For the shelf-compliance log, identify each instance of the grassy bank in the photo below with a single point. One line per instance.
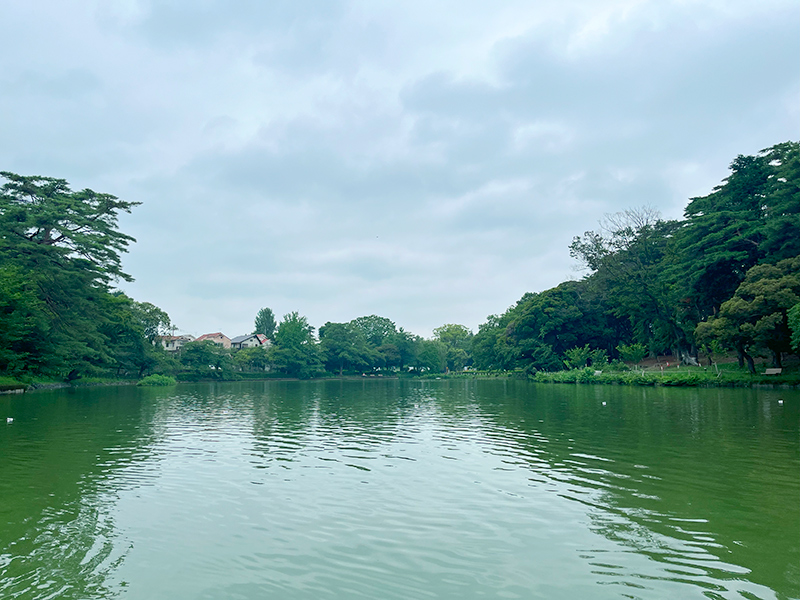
(723, 375)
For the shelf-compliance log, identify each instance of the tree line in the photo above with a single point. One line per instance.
(725, 278)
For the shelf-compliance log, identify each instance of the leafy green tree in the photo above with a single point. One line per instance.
(295, 352)
(757, 315)
(375, 329)
(24, 342)
(400, 349)
(458, 340)
(205, 359)
(265, 323)
(68, 245)
(344, 346)
(751, 217)
(252, 359)
(630, 258)
(153, 321)
(433, 356)
(598, 357)
(578, 357)
(632, 353)
(793, 318)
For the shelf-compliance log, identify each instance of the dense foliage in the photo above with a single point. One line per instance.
(59, 254)
(726, 278)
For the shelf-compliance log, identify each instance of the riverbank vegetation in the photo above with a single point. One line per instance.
(722, 283)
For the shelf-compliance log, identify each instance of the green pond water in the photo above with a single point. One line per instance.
(407, 490)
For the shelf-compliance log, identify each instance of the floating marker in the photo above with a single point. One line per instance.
(604, 403)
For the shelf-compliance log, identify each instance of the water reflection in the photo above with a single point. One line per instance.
(396, 489)
(57, 535)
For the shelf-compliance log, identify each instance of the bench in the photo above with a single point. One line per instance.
(773, 371)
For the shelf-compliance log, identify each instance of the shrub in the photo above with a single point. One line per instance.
(157, 380)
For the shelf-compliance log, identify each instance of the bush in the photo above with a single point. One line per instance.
(157, 380)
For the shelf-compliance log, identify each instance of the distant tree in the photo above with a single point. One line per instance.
(630, 257)
(400, 349)
(252, 359)
(375, 329)
(153, 321)
(578, 357)
(458, 340)
(633, 353)
(207, 359)
(265, 322)
(344, 346)
(295, 352)
(433, 356)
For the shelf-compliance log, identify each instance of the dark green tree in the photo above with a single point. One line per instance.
(458, 340)
(630, 258)
(757, 315)
(265, 323)
(752, 216)
(205, 359)
(295, 352)
(375, 329)
(68, 245)
(344, 346)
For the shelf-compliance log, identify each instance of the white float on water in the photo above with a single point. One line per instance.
(9, 419)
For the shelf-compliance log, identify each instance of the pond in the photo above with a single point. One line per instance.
(395, 489)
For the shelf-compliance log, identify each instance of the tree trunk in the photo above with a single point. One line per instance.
(743, 355)
(750, 365)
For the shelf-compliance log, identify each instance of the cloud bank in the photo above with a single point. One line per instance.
(427, 163)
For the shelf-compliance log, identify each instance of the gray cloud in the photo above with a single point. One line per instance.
(426, 163)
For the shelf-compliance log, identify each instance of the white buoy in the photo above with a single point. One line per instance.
(9, 419)
(604, 403)
(780, 401)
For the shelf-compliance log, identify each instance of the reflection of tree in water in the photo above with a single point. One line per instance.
(294, 419)
(56, 465)
(704, 482)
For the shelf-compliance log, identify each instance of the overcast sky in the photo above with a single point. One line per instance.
(428, 162)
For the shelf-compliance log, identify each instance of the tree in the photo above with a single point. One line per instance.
(458, 340)
(207, 359)
(295, 352)
(24, 342)
(631, 258)
(375, 329)
(252, 359)
(44, 220)
(793, 318)
(68, 246)
(344, 346)
(265, 322)
(751, 217)
(153, 321)
(633, 353)
(433, 356)
(757, 315)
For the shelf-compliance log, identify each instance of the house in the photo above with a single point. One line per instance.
(218, 338)
(173, 343)
(254, 340)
